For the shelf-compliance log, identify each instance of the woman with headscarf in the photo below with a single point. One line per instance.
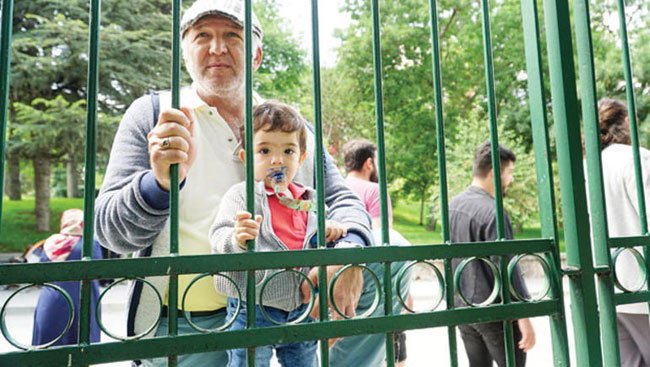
(51, 314)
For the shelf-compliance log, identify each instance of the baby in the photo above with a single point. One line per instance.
(287, 222)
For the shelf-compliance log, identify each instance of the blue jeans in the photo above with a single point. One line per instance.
(301, 354)
(209, 359)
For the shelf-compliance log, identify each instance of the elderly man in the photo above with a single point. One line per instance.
(202, 137)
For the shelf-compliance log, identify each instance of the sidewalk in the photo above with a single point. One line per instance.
(423, 346)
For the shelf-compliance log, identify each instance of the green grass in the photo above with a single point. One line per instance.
(18, 222)
(406, 219)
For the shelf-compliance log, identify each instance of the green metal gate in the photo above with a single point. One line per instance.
(580, 270)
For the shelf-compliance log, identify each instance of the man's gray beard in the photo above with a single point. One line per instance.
(208, 89)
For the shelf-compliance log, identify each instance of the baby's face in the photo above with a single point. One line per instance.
(277, 157)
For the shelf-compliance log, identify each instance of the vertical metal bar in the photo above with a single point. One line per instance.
(634, 135)
(379, 117)
(496, 169)
(320, 187)
(85, 304)
(250, 173)
(172, 293)
(5, 73)
(442, 173)
(544, 172)
(600, 235)
(584, 308)
(631, 105)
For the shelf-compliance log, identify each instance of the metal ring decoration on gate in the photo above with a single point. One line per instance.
(375, 302)
(188, 317)
(312, 297)
(642, 267)
(19, 345)
(137, 336)
(547, 274)
(400, 276)
(495, 289)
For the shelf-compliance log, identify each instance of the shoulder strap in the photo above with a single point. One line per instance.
(155, 103)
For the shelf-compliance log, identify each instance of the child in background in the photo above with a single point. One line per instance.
(287, 223)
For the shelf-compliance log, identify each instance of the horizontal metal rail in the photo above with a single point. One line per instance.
(195, 264)
(196, 343)
(629, 298)
(629, 241)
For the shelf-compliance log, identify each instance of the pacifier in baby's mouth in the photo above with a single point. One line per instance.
(277, 175)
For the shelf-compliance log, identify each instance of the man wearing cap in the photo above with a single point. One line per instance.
(202, 137)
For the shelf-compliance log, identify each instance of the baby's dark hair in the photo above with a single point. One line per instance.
(273, 116)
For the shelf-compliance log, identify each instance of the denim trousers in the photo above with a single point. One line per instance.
(209, 359)
(300, 354)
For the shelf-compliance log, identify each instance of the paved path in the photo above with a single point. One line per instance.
(426, 347)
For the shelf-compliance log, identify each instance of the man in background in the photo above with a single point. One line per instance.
(473, 218)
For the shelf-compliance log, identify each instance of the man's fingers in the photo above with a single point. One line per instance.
(179, 116)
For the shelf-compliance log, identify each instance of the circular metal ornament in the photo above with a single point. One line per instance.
(400, 276)
(134, 337)
(310, 305)
(188, 317)
(642, 267)
(547, 273)
(495, 289)
(19, 345)
(375, 302)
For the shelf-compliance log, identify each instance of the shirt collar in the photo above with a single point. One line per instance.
(297, 190)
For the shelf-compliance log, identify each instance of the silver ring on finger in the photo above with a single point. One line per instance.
(165, 143)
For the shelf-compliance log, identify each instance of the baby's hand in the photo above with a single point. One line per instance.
(334, 230)
(246, 228)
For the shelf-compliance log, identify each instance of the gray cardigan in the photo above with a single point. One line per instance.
(283, 292)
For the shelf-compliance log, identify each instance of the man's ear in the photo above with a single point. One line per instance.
(242, 155)
(257, 59)
(369, 164)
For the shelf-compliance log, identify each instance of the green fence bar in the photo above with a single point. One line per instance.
(381, 155)
(442, 174)
(496, 169)
(634, 135)
(320, 179)
(250, 170)
(5, 73)
(85, 304)
(574, 204)
(172, 292)
(546, 194)
(598, 208)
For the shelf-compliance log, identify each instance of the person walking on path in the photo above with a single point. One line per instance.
(623, 219)
(473, 218)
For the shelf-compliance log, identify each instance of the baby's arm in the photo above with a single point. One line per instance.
(246, 228)
(222, 233)
(334, 230)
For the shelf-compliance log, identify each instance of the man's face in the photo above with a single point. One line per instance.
(506, 176)
(276, 151)
(214, 55)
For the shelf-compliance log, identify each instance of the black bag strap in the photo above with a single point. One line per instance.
(155, 103)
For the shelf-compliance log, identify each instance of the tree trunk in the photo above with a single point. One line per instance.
(42, 169)
(72, 178)
(12, 185)
(422, 199)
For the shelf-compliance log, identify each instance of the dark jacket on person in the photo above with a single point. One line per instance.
(472, 218)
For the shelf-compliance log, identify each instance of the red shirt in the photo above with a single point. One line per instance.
(288, 224)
